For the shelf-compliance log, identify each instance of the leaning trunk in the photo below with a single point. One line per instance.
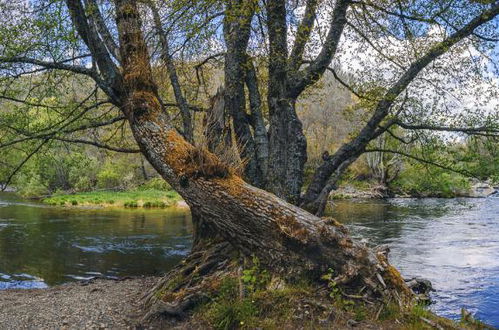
(232, 218)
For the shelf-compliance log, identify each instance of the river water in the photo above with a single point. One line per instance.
(452, 242)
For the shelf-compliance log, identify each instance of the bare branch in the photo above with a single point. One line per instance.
(482, 130)
(96, 144)
(97, 19)
(52, 65)
(311, 73)
(303, 35)
(188, 129)
(108, 69)
(25, 160)
(425, 161)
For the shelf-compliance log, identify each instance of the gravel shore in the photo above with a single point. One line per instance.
(98, 304)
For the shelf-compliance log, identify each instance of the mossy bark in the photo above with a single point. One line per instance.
(233, 219)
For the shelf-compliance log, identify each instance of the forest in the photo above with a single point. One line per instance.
(249, 164)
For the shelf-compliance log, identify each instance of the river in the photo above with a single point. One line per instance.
(452, 242)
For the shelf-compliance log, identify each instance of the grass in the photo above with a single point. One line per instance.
(150, 198)
(298, 307)
(238, 302)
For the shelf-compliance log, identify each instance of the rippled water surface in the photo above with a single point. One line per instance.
(42, 246)
(454, 243)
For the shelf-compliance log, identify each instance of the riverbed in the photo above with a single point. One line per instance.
(452, 242)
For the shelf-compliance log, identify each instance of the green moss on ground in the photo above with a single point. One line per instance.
(300, 306)
(254, 300)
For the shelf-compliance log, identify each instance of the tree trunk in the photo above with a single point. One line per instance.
(231, 217)
(185, 111)
(287, 143)
(216, 128)
(237, 22)
(257, 122)
(287, 148)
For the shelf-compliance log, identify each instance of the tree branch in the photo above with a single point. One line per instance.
(354, 148)
(111, 75)
(96, 144)
(303, 35)
(188, 129)
(425, 161)
(392, 13)
(490, 131)
(55, 133)
(31, 154)
(52, 65)
(312, 73)
(95, 16)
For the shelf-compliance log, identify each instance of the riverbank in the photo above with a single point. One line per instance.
(378, 191)
(150, 198)
(112, 304)
(99, 304)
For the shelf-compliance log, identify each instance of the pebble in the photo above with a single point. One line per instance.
(111, 305)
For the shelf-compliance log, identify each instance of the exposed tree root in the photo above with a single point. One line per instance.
(187, 284)
(199, 276)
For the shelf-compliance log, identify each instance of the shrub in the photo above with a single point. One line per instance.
(419, 180)
(155, 184)
(108, 177)
(83, 184)
(31, 185)
(131, 204)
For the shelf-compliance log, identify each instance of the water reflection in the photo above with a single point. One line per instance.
(56, 245)
(453, 243)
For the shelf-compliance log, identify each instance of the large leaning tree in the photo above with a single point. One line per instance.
(117, 46)
(409, 64)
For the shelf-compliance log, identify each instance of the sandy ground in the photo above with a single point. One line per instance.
(98, 304)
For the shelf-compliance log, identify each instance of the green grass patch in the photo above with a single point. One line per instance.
(147, 198)
(252, 299)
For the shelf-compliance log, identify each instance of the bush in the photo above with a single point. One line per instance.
(82, 171)
(83, 184)
(30, 185)
(422, 181)
(131, 204)
(109, 177)
(155, 184)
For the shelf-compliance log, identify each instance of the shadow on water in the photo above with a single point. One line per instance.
(452, 242)
(42, 246)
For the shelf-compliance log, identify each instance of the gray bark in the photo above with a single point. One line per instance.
(258, 124)
(237, 24)
(185, 111)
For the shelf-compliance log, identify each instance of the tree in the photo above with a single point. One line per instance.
(231, 218)
(377, 30)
